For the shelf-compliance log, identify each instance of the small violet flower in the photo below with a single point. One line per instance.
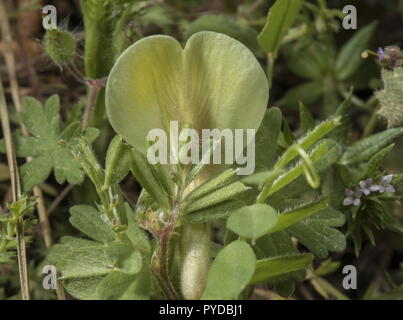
(368, 186)
(381, 55)
(385, 184)
(353, 197)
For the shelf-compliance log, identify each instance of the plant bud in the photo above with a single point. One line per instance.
(391, 97)
(60, 46)
(391, 57)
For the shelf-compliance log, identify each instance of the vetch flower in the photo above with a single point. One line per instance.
(353, 197)
(214, 82)
(385, 184)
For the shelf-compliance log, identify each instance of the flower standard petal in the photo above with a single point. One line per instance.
(215, 82)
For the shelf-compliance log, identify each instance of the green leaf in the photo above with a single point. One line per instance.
(47, 144)
(327, 267)
(300, 185)
(332, 187)
(86, 262)
(293, 173)
(83, 288)
(117, 163)
(136, 235)
(226, 25)
(205, 85)
(307, 93)
(262, 178)
(349, 59)
(41, 121)
(253, 221)
(376, 160)
(275, 245)
(213, 184)
(225, 193)
(35, 171)
(312, 61)
(230, 272)
(71, 130)
(274, 267)
(279, 20)
(266, 139)
(124, 258)
(122, 286)
(364, 149)
(219, 211)
(74, 243)
(66, 167)
(308, 140)
(144, 174)
(165, 177)
(318, 234)
(306, 118)
(341, 133)
(25, 146)
(196, 169)
(287, 137)
(67, 244)
(88, 220)
(80, 288)
(295, 215)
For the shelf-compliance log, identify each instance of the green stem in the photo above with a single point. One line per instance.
(327, 287)
(160, 259)
(94, 88)
(16, 193)
(270, 68)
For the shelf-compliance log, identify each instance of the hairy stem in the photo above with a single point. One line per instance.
(160, 265)
(93, 91)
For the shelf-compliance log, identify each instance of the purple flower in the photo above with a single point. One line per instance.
(352, 197)
(385, 184)
(368, 186)
(381, 55)
(391, 57)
